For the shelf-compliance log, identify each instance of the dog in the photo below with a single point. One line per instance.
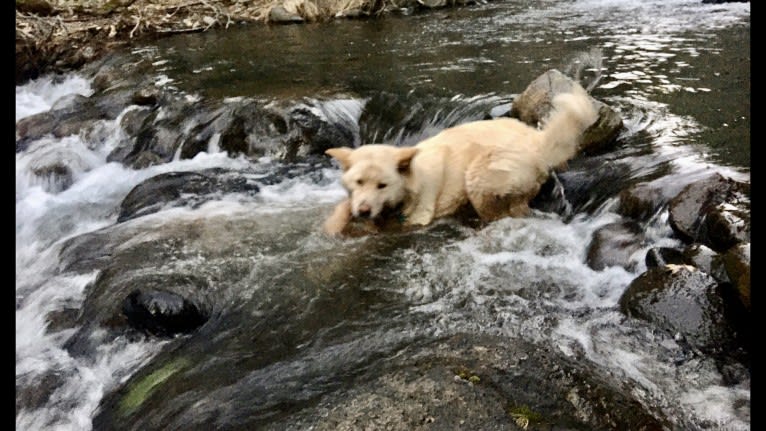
(494, 166)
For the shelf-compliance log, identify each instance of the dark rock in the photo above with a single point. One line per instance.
(144, 159)
(534, 103)
(56, 177)
(614, 244)
(701, 257)
(585, 186)
(682, 300)
(161, 313)
(661, 256)
(643, 200)
(736, 263)
(135, 119)
(64, 318)
(34, 127)
(312, 134)
(178, 189)
(458, 382)
(279, 15)
(147, 96)
(714, 211)
(109, 307)
(36, 7)
(34, 393)
(132, 123)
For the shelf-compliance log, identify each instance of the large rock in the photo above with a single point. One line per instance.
(534, 104)
(682, 300)
(714, 211)
(586, 185)
(643, 200)
(460, 382)
(736, 263)
(181, 189)
(614, 245)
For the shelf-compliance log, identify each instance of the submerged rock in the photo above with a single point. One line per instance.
(586, 185)
(614, 245)
(463, 381)
(682, 300)
(714, 211)
(534, 104)
(181, 189)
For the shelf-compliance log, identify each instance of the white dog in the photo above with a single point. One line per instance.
(495, 166)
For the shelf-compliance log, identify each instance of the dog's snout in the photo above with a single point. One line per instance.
(365, 210)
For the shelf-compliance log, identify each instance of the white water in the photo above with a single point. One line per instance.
(539, 251)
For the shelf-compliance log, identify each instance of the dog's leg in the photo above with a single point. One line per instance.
(497, 189)
(424, 211)
(340, 218)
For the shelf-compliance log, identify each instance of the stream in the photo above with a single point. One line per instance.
(447, 327)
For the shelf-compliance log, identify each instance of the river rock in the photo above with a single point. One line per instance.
(714, 211)
(161, 313)
(736, 263)
(313, 131)
(34, 392)
(682, 300)
(433, 4)
(181, 189)
(643, 200)
(702, 257)
(661, 256)
(614, 245)
(462, 381)
(534, 104)
(587, 184)
(279, 15)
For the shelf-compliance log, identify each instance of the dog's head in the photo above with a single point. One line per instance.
(375, 176)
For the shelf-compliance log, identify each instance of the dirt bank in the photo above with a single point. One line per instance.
(59, 35)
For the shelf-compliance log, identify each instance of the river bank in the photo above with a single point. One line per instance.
(61, 35)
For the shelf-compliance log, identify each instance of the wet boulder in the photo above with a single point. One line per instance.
(54, 165)
(615, 245)
(702, 257)
(643, 200)
(736, 264)
(586, 185)
(315, 128)
(182, 189)
(685, 302)
(662, 256)
(161, 313)
(534, 104)
(280, 15)
(714, 211)
(34, 390)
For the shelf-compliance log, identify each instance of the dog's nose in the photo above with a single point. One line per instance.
(365, 211)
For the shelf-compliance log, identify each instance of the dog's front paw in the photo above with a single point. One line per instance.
(339, 220)
(419, 219)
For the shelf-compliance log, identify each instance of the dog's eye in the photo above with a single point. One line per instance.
(360, 182)
(382, 185)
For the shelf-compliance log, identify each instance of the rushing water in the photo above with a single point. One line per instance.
(297, 313)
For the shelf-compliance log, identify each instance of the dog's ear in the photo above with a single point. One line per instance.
(340, 154)
(405, 157)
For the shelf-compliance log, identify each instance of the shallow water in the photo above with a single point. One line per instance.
(297, 316)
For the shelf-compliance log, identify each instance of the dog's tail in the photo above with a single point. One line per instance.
(562, 131)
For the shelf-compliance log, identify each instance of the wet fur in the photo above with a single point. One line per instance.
(495, 166)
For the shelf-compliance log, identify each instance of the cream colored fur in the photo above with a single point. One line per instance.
(497, 166)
